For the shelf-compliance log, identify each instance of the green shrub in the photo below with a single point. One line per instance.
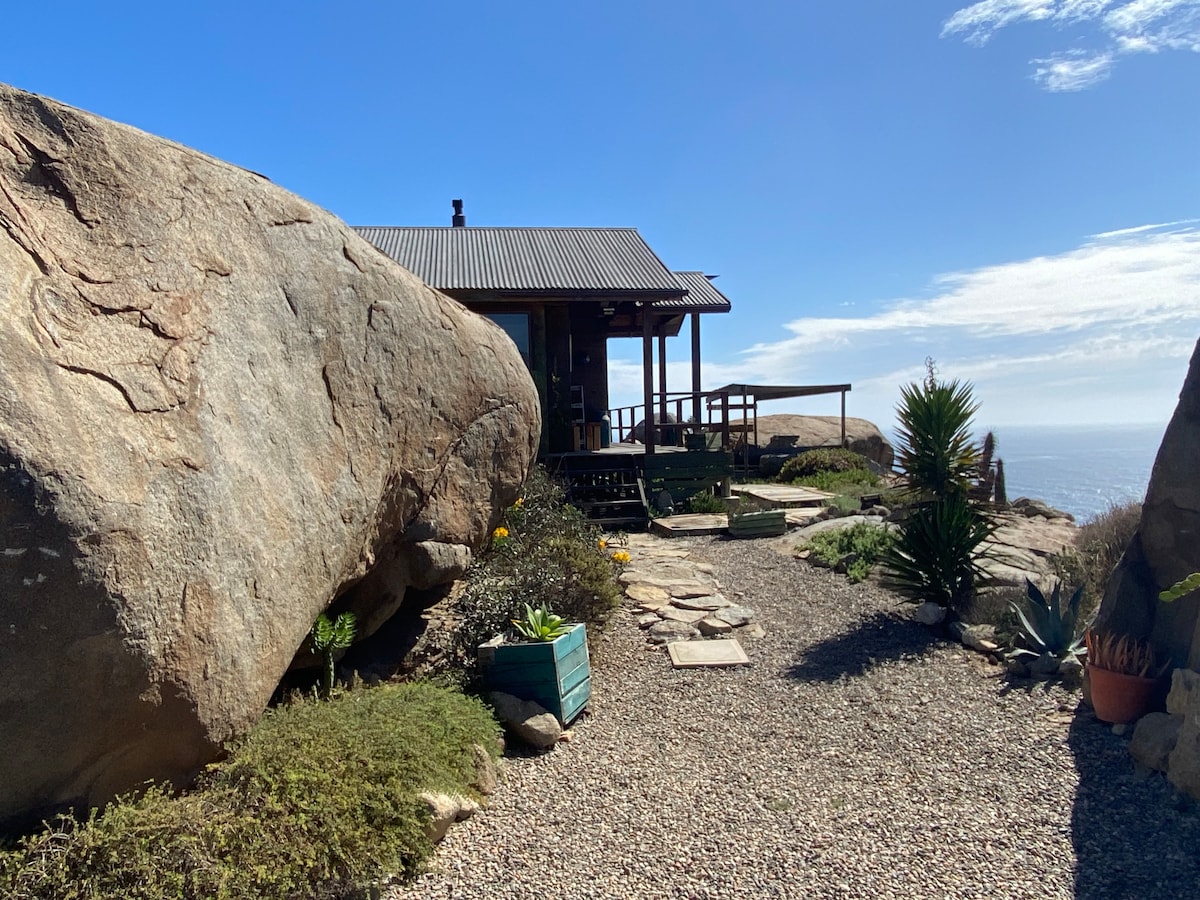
(704, 502)
(550, 556)
(855, 482)
(866, 541)
(831, 459)
(319, 800)
(1099, 545)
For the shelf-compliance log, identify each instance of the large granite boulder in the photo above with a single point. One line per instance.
(1166, 546)
(783, 432)
(220, 410)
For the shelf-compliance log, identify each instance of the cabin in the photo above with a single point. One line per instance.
(561, 294)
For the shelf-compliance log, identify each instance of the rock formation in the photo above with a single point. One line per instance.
(1166, 546)
(779, 433)
(220, 410)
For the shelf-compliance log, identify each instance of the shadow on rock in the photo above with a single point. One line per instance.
(881, 637)
(1134, 837)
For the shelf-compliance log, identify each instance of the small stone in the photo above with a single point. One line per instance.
(710, 602)
(930, 613)
(684, 590)
(527, 720)
(1070, 670)
(688, 616)
(645, 621)
(651, 607)
(734, 615)
(443, 812)
(647, 593)
(666, 631)
(466, 808)
(486, 775)
(1044, 666)
(753, 630)
(1154, 738)
(1120, 729)
(709, 627)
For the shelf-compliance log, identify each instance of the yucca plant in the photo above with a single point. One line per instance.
(328, 637)
(936, 554)
(934, 447)
(1046, 627)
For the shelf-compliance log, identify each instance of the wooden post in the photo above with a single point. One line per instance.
(648, 373)
(843, 418)
(662, 378)
(696, 367)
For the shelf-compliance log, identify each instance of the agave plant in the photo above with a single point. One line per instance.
(1046, 627)
(936, 554)
(327, 638)
(540, 624)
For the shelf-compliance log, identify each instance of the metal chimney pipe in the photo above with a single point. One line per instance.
(458, 220)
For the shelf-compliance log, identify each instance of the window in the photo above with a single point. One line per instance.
(516, 326)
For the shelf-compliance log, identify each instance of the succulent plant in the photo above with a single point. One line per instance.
(1123, 653)
(1046, 627)
(540, 624)
(1181, 588)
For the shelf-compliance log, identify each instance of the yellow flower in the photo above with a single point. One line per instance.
(520, 502)
(500, 533)
(621, 556)
(603, 543)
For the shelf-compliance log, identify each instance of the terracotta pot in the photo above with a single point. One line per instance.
(1118, 698)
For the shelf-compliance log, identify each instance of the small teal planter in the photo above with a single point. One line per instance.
(555, 674)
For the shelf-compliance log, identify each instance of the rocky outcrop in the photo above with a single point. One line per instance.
(778, 434)
(1166, 546)
(220, 410)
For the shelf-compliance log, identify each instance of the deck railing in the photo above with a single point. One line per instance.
(674, 418)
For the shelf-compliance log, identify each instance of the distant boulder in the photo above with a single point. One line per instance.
(779, 433)
(220, 410)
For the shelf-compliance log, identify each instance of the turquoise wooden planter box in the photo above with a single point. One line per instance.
(555, 674)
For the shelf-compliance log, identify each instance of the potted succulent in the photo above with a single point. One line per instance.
(544, 659)
(1124, 675)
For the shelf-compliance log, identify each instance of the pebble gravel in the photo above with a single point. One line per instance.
(857, 756)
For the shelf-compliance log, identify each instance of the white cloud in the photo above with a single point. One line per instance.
(1118, 29)
(1101, 333)
(1073, 70)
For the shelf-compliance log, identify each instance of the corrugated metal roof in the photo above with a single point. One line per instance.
(543, 260)
(702, 295)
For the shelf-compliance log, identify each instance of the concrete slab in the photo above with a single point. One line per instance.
(704, 654)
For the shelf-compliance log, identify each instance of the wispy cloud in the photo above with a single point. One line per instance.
(1106, 30)
(1100, 333)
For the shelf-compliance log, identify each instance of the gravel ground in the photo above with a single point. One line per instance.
(855, 757)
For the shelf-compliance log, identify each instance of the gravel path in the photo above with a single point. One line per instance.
(855, 758)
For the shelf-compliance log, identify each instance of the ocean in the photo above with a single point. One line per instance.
(1078, 469)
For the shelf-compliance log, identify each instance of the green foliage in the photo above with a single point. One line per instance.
(866, 542)
(552, 558)
(934, 448)
(540, 625)
(320, 800)
(704, 502)
(327, 638)
(1046, 627)
(813, 462)
(1099, 545)
(1181, 588)
(936, 556)
(937, 552)
(853, 482)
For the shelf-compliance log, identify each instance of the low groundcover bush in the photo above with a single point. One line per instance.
(318, 801)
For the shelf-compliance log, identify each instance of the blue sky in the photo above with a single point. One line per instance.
(1011, 187)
